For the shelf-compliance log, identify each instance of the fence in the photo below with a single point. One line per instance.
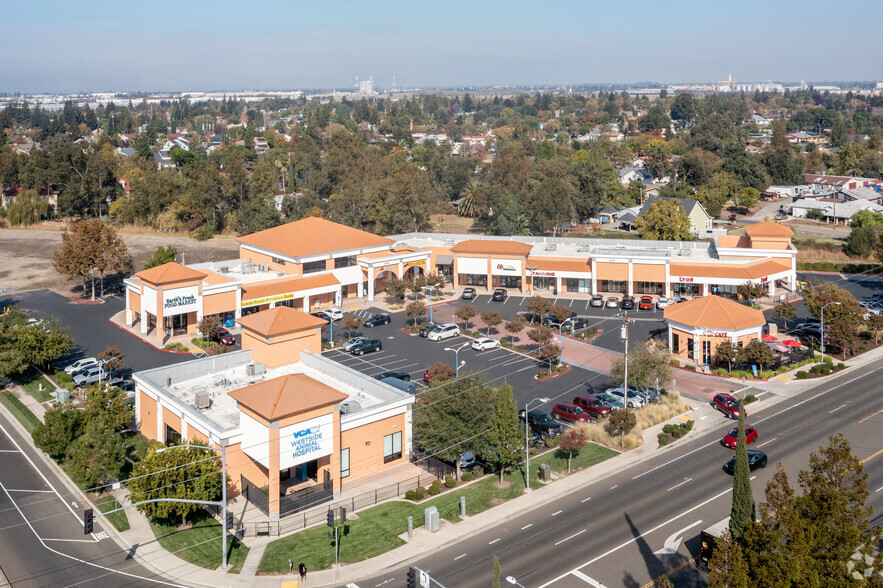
(255, 495)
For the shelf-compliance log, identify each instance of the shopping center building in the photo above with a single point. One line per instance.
(314, 263)
(295, 425)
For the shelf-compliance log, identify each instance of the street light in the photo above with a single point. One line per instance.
(456, 351)
(430, 303)
(223, 502)
(560, 340)
(527, 487)
(512, 580)
(822, 332)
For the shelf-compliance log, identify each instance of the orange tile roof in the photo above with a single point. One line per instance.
(287, 396)
(312, 236)
(743, 271)
(556, 265)
(168, 273)
(714, 312)
(285, 285)
(490, 247)
(279, 321)
(768, 229)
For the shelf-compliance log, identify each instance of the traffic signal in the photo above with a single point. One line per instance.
(412, 578)
(88, 521)
(330, 517)
(342, 514)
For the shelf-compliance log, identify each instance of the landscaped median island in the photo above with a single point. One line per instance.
(199, 542)
(377, 529)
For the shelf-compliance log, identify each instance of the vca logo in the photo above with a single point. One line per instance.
(302, 433)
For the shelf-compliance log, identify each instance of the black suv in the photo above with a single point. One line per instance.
(628, 303)
(426, 329)
(367, 345)
(499, 295)
(377, 319)
(542, 424)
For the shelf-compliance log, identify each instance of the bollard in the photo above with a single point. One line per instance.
(410, 527)
(462, 506)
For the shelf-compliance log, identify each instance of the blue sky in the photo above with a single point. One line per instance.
(95, 45)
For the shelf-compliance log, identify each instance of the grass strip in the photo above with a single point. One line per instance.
(118, 519)
(200, 544)
(31, 381)
(27, 419)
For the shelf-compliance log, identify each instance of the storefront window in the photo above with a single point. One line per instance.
(543, 283)
(288, 303)
(616, 286)
(725, 291)
(278, 260)
(173, 437)
(345, 462)
(392, 447)
(314, 266)
(473, 279)
(648, 287)
(579, 285)
(446, 270)
(508, 281)
(176, 325)
(340, 262)
(685, 289)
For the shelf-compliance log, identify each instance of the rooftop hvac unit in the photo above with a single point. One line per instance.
(201, 400)
(255, 369)
(225, 270)
(248, 268)
(552, 247)
(264, 267)
(349, 406)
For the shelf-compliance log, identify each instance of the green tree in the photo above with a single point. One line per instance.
(874, 323)
(465, 313)
(655, 119)
(97, 456)
(727, 568)
(61, 425)
(415, 308)
(107, 405)
(785, 311)
(572, 442)
(726, 352)
(491, 318)
(446, 414)
(684, 108)
(113, 357)
(209, 326)
(440, 372)
(39, 343)
(622, 420)
(664, 220)
(27, 209)
(91, 250)
(161, 256)
(742, 514)
(350, 323)
(502, 443)
(543, 336)
(649, 363)
(514, 327)
(560, 312)
(841, 320)
(756, 352)
(190, 473)
(747, 197)
(749, 291)
(394, 287)
(538, 305)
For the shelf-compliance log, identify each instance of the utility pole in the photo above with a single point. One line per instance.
(624, 335)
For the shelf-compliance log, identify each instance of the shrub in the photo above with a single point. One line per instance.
(435, 488)
(416, 494)
(522, 348)
(467, 476)
(766, 374)
(689, 425)
(749, 399)
(677, 433)
(667, 429)
(675, 363)
(450, 481)
(801, 375)
(664, 440)
(176, 347)
(839, 366)
(862, 349)
(551, 442)
(692, 368)
(63, 378)
(478, 471)
(720, 372)
(591, 332)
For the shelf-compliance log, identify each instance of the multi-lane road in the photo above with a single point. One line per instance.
(627, 529)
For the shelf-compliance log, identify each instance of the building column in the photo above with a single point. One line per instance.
(185, 434)
(371, 285)
(238, 311)
(594, 280)
(697, 348)
(272, 305)
(144, 322)
(401, 271)
(274, 471)
(490, 277)
(558, 284)
(160, 433)
(631, 287)
(307, 304)
(772, 288)
(670, 339)
(129, 317)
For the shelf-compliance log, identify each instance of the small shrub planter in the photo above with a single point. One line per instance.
(409, 333)
(671, 433)
(545, 375)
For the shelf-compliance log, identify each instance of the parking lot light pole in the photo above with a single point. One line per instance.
(223, 502)
(822, 332)
(430, 303)
(560, 341)
(527, 487)
(456, 351)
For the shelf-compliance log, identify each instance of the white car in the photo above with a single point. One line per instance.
(80, 364)
(662, 302)
(485, 343)
(348, 346)
(635, 398)
(334, 313)
(444, 332)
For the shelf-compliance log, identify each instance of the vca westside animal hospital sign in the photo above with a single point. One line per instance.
(306, 441)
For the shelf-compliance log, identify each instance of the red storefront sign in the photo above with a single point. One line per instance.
(685, 279)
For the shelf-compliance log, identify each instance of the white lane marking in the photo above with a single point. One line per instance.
(9, 451)
(878, 489)
(494, 541)
(614, 487)
(681, 484)
(836, 409)
(531, 524)
(70, 540)
(572, 536)
(673, 541)
(786, 409)
(557, 513)
(752, 477)
(635, 539)
(585, 499)
(455, 559)
(768, 441)
(39, 491)
(588, 580)
(703, 418)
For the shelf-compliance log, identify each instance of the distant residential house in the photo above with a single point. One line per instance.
(801, 137)
(125, 152)
(608, 214)
(860, 138)
(163, 160)
(178, 142)
(423, 136)
(865, 194)
(833, 210)
(635, 174)
(8, 196)
(760, 120)
(696, 213)
(823, 183)
(593, 135)
(125, 184)
(260, 145)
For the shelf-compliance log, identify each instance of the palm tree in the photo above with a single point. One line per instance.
(522, 226)
(467, 206)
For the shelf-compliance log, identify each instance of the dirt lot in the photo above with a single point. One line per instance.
(25, 263)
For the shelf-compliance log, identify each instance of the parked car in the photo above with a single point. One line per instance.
(635, 398)
(81, 364)
(727, 404)
(392, 374)
(662, 302)
(224, 337)
(321, 314)
(781, 216)
(426, 329)
(679, 299)
(124, 385)
(544, 425)
(529, 317)
(348, 346)
(575, 323)
(570, 412)
(756, 459)
(499, 295)
(442, 332)
(550, 320)
(468, 294)
(593, 405)
(376, 320)
(628, 303)
(597, 301)
(610, 400)
(335, 313)
(729, 439)
(91, 375)
(612, 302)
(366, 346)
(485, 343)
(646, 303)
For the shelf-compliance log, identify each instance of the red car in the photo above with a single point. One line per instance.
(646, 303)
(730, 439)
(570, 412)
(727, 404)
(594, 406)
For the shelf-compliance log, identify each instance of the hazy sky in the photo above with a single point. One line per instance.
(97, 45)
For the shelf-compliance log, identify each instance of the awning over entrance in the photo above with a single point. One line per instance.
(444, 259)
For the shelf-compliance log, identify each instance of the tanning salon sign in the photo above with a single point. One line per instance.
(306, 441)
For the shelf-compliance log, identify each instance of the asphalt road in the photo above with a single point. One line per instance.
(613, 531)
(41, 529)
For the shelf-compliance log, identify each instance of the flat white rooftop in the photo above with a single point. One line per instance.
(241, 270)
